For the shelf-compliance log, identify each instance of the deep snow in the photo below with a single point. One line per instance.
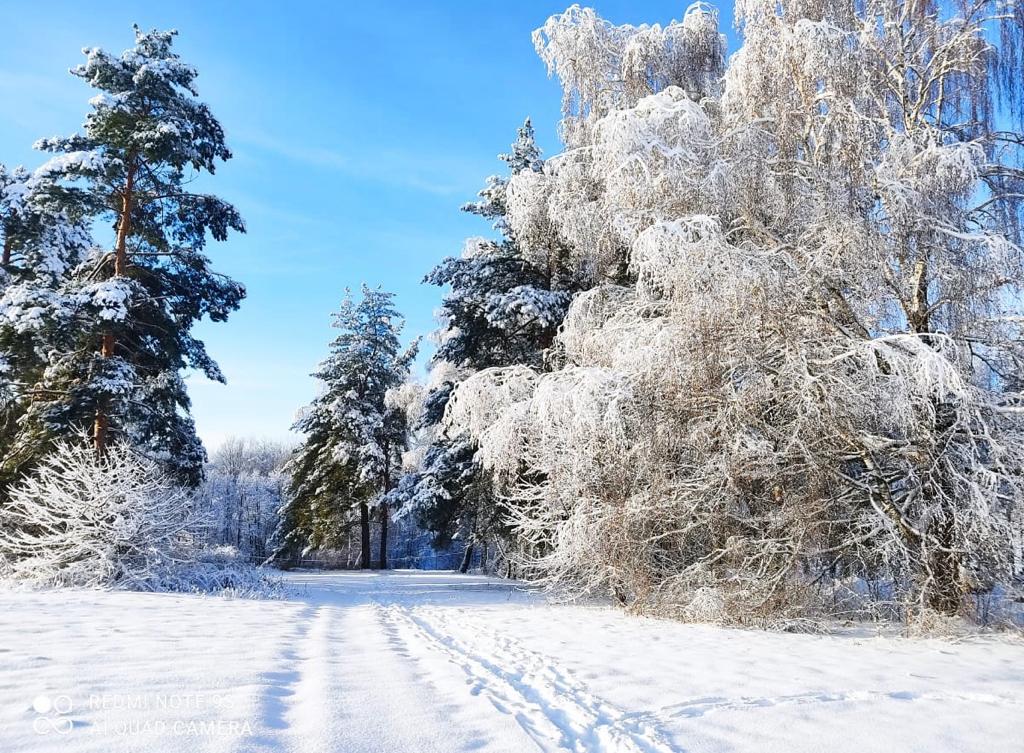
(413, 662)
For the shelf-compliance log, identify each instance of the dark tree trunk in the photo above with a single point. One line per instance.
(8, 243)
(383, 536)
(467, 558)
(946, 587)
(946, 590)
(364, 527)
(101, 424)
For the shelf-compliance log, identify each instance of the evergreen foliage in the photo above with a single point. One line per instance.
(501, 309)
(103, 335)
(354, 436)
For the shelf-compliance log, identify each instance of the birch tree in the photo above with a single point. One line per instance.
(795, 376)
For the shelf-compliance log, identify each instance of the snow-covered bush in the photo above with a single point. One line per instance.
(219, 570)
(111, 521)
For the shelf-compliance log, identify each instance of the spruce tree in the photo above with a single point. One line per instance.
(355, 438)
(502, 309)
(118, 328)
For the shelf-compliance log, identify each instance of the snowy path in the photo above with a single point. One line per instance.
(420, 662)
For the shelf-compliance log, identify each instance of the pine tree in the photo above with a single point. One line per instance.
(503, 309)
(40, 248)
(355, 437)
(318, 510)
(121, 320)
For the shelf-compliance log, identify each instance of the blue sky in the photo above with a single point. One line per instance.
(358, 130)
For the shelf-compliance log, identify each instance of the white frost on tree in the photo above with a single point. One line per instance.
(83, 521)
(798, 367)
(116, 521)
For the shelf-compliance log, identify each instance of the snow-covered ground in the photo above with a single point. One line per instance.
(413, 662)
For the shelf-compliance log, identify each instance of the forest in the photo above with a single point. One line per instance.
(747, 350)
(714, 441)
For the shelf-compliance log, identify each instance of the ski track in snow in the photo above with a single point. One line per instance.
(290, 691)
(351, 688)
(554, 708)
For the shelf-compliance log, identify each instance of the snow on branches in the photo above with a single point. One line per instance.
(797, 368)
(84, 521)
(118, 521)
(144, 139)
(605, 67)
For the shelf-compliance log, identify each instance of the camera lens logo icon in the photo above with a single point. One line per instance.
(51, 719)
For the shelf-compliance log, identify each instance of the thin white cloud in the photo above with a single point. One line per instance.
(440, 175)
(313, 156)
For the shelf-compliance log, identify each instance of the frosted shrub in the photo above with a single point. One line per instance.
(115, 521)
(706, 605)
(927, 623)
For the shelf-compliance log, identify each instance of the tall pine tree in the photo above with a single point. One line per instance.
(118, 328)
